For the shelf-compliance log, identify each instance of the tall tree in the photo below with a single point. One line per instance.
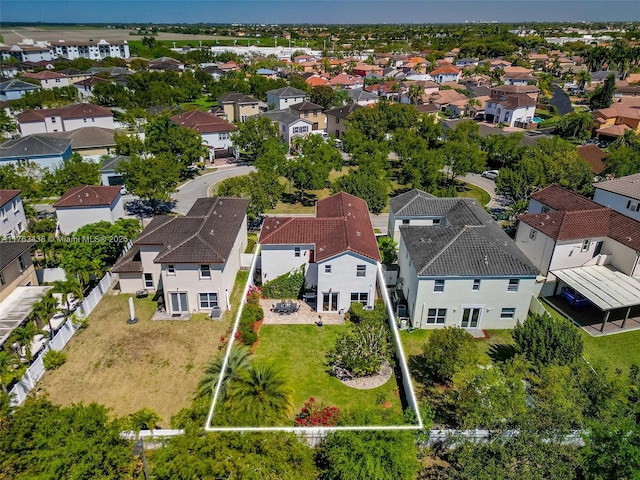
(151, 178)
(70, 173)
(262, 188)
(163, 137)
(253, 134)
(603, 95)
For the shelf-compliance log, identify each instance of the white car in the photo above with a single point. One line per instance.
(491, 174)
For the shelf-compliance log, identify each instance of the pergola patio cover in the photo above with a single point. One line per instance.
(605, 288)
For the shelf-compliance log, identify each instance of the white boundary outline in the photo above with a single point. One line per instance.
(320, 431)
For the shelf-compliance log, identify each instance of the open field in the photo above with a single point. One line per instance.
(155, 364)
(78, 33)
(300, 350)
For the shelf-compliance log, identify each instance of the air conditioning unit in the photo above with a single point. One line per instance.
(368, 307)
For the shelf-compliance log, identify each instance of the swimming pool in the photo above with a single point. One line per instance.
(537, 120)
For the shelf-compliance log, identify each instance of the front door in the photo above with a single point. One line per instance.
(470, 317)
(330, 302)
(179, 303)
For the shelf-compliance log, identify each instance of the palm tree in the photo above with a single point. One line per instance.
(415, 93)
(239, 360)
(627, 139)
(45, 309)
(71, 286)
(144, 419)
(261, 394)
(584, 78)
(472, 103)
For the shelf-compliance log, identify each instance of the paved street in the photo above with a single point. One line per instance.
(199, 187)
(488, 185)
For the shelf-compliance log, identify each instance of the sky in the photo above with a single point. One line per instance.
(316, 11)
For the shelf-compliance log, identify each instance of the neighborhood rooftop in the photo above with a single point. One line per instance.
(88, 196)
(628, 186)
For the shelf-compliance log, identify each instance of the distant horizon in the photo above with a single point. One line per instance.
(318, 12)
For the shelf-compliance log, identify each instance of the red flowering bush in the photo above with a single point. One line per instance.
(254, 294)
(314, 414)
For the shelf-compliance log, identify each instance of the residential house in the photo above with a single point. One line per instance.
(466, 62)
(85, 86)
(8, 70)
(564, 230)
(337, 249)
(13, 221)
(80, 206)
(514, 110)
(346, 81)
(446, 73)
(108, 170)
(362, 70)
(64, 119)
(16, 268)
(290, 124)
(166, 64)
(267, 73)
(15, 89)
(312, 112)
(74, 75)
(191, 261)
(457, 266)
(362, 97)
(337, 119)
(237, 107)
(519, 79)
(317, 81)
(215, 132)
(508, 90)
(444, 98)
(44, 152)
(594, 156)
(282, 98)
(614, 121)
(48, 80)
(90, 142)
(620, 194)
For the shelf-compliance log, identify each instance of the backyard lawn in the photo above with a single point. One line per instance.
(155, 364)
(300, 351)
(613, 351)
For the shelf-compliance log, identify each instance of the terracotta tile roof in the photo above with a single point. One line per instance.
(317, 81)
(570, 225)
(628, 186)
(80, 110)
(44, 75)
(514, 89)
(613, 130)
(558, 198)
(344, 79)
(88, 196)
(445, 70)
(202, 122)
(342, 224)
(7, 195)
(593, 156)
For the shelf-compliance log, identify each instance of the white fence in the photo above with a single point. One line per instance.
(36, 370)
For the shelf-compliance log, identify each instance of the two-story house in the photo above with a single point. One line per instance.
(80, 206)
(13, 220)
(237, 107)
(312, 112)
(504, 91)
(191, 261)
(16, 268)
(457, 266)
(86, 85)
(620, 194)
(290, 124)
(43, 151)
(64, 119)
(445, 73)
(282, 98)
(337, 249)
(215, 132)
(514, 110)
(337, 119)
(48, 79)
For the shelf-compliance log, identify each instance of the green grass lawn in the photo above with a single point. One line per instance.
(300, 351)
(467, 190)
(201, 104)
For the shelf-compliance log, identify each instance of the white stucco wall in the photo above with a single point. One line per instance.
(71, 219)
(621, 257)
(130, 282)
(217, 139)
(12, 218)
(536, 207)
(280, 259)
(282, 103)
(50, 83)
(618, 203)
(538, 251)
(75, 123)
(395, 223)
(343, 279)
(569, 254)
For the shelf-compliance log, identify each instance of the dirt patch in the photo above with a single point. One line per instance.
(128, 367)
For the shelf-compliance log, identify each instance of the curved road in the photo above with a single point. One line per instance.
(488, 185)
(199, 187)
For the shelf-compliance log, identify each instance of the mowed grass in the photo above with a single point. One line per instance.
(300, 350)
(618, 351)
(155, 364)
(467, 190)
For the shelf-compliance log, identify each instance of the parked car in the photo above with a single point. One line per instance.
(490, 174)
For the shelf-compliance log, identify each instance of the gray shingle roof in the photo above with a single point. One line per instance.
(283, 116)
(34, 145)
(112, 163)
(16, 85)
(344, 111)
(628, 186)
(359, 94)
(9, 251)
(87, 137)
(286, 92)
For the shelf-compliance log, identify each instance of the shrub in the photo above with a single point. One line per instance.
(289, 285)
(446, 352)
(252, 313)
(254, 295)
(544, 340)
(361, 349)
(358, 314)
(314, 414)
(53, 359)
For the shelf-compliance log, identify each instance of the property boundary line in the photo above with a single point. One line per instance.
(321, 432)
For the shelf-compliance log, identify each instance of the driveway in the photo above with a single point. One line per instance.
(200, 187)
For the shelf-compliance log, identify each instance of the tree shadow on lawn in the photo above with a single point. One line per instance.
(307, 200)
(501, 352)
(144, 209)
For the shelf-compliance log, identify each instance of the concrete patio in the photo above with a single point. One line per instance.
(306, 314)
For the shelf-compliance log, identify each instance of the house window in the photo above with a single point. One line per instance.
(436, 315)
(545, 209)
(532, 234)
(148, 280)
(224, 136)
(476, 285)
(436, 221)
(633, 206)
(361, 297)
(405, 222)
(85, 120)
(2, 280)
(171, 269)
(208, 300)
(327, 269)
(296, 251)
(514, 283)
(361, 270)
(205, 271)
(21, 263)
(337, 120)
(585, 245)
(315, 113)
(507, 313)
(438, 286)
